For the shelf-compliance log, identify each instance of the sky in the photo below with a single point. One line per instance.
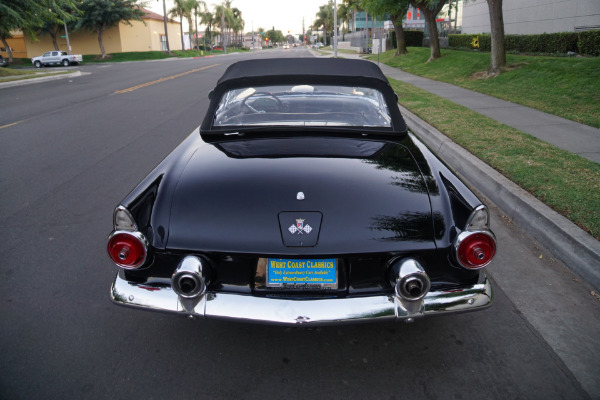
(283, 14)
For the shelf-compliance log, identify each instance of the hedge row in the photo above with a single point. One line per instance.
(589, 43)
(586, 43)
(412, 38)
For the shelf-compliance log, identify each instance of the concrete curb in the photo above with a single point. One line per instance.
(31, 81)
(579, 251)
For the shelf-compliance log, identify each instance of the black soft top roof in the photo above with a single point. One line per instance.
(324, 71)
(332, 68)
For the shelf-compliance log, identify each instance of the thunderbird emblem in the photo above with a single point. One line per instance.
(300, 227)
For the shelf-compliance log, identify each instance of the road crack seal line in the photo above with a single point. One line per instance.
(131, 89)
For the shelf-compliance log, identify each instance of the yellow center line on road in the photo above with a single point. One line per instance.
(13, 124)
(131, 89)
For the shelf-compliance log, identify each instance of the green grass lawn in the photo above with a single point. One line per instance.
(564, 86)
(568, 183)
(11, 74)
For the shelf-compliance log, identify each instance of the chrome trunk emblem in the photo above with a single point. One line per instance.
(300, 227)
(300, 196)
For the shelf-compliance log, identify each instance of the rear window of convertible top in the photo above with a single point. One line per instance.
(303, 105)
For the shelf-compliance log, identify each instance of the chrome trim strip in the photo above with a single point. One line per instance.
(474, 213)
(161, 297)
(122, 209)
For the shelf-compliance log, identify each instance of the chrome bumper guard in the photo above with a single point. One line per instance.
(161, 297)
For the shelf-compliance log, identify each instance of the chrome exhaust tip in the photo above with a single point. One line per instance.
(188, 280)
(410, 280)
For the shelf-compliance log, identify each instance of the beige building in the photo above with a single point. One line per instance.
(17, 44)
(139, 36)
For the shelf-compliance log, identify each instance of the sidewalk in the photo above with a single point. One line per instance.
(563, 133)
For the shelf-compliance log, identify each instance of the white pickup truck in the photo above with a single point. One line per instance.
(56, 57)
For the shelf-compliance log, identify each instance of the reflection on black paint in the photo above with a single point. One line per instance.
(407, 226)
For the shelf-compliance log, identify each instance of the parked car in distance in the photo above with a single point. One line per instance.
(56, 58)
(3, 61)
(302, 199)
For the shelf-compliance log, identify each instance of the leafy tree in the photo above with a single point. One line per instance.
(100, 15)
(18, 14)
(56, 15)
(498, 54)
(396, 9)
(430, 9)
(275, 36)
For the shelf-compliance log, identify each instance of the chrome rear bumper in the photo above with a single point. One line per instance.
(161, 297)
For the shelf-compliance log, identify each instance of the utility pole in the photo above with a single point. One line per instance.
(335, 30)
(223, 29)
(196, 26)
(68, 43)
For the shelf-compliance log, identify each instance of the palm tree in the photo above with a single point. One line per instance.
(324, 19)
(188, 7)
(224, 17)
(344, 16)
(197, 5)
(179, 11)
(238, 23)
(208, 19)
(352, 6)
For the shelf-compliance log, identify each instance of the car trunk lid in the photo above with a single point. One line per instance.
(301, 196)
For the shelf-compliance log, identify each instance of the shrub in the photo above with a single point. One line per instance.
(589, 43)
(546, 43)
(481, 42)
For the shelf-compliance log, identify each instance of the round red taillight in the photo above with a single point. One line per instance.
(475, 249)
(127, 249)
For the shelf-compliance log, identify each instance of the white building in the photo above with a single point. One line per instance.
(534, 16)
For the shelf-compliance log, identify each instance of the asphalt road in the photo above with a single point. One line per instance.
(72, 149)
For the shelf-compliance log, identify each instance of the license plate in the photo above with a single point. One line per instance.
(301, 274)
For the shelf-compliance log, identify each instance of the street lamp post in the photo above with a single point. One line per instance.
(335, 28)
(67, 35)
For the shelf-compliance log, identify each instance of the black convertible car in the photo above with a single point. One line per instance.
(302, 199)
